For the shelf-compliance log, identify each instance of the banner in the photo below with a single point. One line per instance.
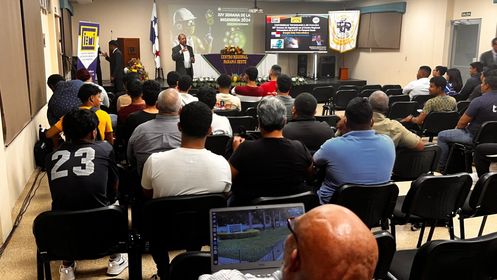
(343, 26)
(88, 47)
(154, 36)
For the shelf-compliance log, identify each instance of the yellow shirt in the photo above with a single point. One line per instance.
(104, 122)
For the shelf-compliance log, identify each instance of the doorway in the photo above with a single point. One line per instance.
(464, 44)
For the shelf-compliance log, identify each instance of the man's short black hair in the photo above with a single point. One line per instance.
(78, 123)
(224, 81)
(426, 69)
(441, 69)
(276, 70)
(477, 65)
(490, 76)
(305, 104)
(129, 77)
(494, 41)
(53, 80)
(114, 43)
(86, 91)
(151, 90)
(207, 95)
(134, 88)
(252, 73)
(284, 83)
(439, 81)
(184, 83)
(172, 79)
(358, 111)
(195, 119)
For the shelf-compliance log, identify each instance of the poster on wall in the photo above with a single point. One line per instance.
(88, 37)
(343, 27)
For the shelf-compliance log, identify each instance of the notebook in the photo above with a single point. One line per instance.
(250, 239)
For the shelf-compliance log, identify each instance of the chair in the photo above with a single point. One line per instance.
(347, 87)
(481, 201)
(421, 100)
(462, 106)
(193, 91)
(247, 104)
(448, 259)
(430, 200)
(252, 111)
(384, 88)
(342, 98)
(372, 203)
(83, 235)
(366, 92)
(217, 143)
(410, 164)
(394, 92)
(296, 90)
(309, 199)
(373, 87)
(190, 265)
(397, 98)
(324, 95)
(240, 123)
(227, 113)
(331, 120)
(402, 109)
(386, 250)
(438, 121)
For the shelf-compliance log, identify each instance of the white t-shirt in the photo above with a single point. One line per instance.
(221, 125)
(187, 98)
(187, 60)
(184, 171)
(417, 87)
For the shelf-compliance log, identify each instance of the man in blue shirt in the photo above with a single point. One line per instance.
(360, 156)
(64, 98)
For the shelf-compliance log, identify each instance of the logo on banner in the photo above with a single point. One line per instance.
(275, 20)
(343, 27)
(89, 38)
(296, 20)
(276, 34)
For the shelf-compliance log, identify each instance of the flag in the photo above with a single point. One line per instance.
(154, 36)
(276, 34)
(343, 28)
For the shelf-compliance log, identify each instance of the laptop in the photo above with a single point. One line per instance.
(250, 239)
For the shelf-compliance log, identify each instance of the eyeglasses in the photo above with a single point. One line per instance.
(291, 227)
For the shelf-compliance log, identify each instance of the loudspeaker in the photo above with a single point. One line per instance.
(302, 65)
(326, 67)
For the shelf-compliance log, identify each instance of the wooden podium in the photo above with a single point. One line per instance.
(130, 48)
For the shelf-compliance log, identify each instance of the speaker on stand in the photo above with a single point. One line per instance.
(302, 65)
(326, 66)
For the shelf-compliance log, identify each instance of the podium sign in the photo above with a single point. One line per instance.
(232, 63)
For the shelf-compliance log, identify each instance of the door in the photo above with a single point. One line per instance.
(464, 45)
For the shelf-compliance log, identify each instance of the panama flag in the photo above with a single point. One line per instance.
(276, 34)
(154, 36)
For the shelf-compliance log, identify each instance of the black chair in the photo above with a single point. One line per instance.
(481, 202)
(252, 111)
(227, 113)
(462, 106)
(397, 98)
(217, 143)
(384, 88)
(190, 265)
(386, 250)
(410, 164)
(246, 105)
(402, 109)
(373, 204)
(471, 259)
(394, 92)
(430, 200)
(366, 92)
(296, 90)
(373, 87)
(438, 121)
(84, 235)
(421, 100)
(331, 120)
(341, 98)
(193, 91)
(347, 87)
(309, 199)
(241, 123)
(324, 95)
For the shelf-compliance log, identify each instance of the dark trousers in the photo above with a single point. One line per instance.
(189, 72)
(482, 162)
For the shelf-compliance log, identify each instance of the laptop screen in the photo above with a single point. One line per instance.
(250, 237)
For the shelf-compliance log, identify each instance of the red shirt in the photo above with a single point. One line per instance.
(123, 114)
(269, 86)
(250, 91)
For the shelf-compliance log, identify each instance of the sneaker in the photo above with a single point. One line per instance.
(117, 265)
(67, 273)
(155, 277)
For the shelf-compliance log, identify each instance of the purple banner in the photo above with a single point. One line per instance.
(232, 63)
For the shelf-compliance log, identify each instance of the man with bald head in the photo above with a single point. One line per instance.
(327, 243)
(159, 134)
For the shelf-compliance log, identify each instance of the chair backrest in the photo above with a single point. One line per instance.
(331, 120)
(190, 265)
(366, 92)
(217, 143)
(252, 111)
(296, 90)
(343, 97)
(371, 203)
(456, 259)
(83, 234)
(437, 197)
(462, 106)
(484, 195)
(347, 87)
(394, 92)
(410, 164)
(240, 123)
(180, 222)
(397, 98)
(323, 94)
(402, 109)
(386, 250)
(373, 87)
(226, 113)
(486, 134)
(438, 121)
(309, 199)
(247, 104)
(421, 99)
(193, 91)
(384, 88)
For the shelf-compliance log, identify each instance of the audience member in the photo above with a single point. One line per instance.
(124, 100)
(220, 124)
(81, 174)
(472, 82)
(284, 85)
(250, 92)
(84, 76)
(454, 82)
(157, 135)
(184, 85)
(401, 136)
(172, 79)
(440, 103)
(271, 165)
(191, 169)
(480, 110)
(477, 90)
(64, 98)
(90, 97)
(327, 243)
(439, 71)
(270, 86)
(489, 58)
(134, 89)
(484, 156)
(420, 85)
(303, 126)
(225, 100)
(360, 156)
